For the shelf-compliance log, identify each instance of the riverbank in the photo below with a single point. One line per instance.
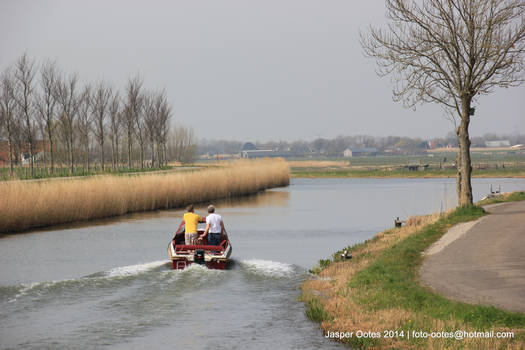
(378, 293)
(26, 205)
(388, 172)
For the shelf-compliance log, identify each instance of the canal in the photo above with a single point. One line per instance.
(108, 283)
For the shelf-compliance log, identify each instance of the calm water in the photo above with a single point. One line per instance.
(109, 285)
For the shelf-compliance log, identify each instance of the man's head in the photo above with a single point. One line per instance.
(189, 208)
(211, 209)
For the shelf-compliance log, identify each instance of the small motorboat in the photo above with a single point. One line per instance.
(212, 256)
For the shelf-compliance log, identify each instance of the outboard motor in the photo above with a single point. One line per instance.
(199, 256)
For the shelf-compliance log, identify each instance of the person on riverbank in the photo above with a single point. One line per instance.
(214, 227)
(191, 221)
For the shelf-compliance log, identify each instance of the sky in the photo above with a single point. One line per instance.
(241, 69)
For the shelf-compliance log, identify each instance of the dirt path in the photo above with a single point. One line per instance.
(483, 262)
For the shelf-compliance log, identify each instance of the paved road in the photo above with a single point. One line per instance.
(485, 264)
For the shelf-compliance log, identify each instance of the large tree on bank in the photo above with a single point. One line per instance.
(448, 52)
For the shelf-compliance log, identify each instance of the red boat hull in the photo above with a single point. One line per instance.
(181, 264)
(183, 255)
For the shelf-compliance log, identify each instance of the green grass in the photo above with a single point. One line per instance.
(446, 158)
(315, 310)
(391, 282)
(515, 196)
(323, 263)
(401, 173)
(23, 173)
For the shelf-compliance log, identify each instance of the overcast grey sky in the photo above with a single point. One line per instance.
(240, 69)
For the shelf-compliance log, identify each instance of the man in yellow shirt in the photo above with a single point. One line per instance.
(191, 221)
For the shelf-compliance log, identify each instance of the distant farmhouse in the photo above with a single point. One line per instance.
(497, 144)
(249, 150)
(360, 152)
(22, 155)
(248, 146)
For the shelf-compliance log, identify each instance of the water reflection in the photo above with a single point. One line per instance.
(268, 198)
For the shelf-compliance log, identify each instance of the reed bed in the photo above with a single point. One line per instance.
(25, 205)
(318, 163)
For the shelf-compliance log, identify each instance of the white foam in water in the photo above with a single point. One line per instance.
(25, 288)
(132, 270)
(123, 271)
(269, 268)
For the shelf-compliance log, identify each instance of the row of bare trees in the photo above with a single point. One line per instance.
(44, 110)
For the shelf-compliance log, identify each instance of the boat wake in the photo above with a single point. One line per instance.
(133, 270)
(152, 273)
(97, 280)
(270, 268)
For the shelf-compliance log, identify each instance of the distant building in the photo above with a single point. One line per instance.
(360, 152)
(262, 153)
(518, 147)
(22, 155)
(496, 144)
(248, 146)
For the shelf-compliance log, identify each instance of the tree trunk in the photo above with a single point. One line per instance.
(464, 165)
(112, 154)
(51, 154)
(117, 157)
(10, 154)
(129, 150)
(86, 150)
(102, 154)
(71, 165)
(159, 158)
(31, 159)
(142, 155)
(152, 145)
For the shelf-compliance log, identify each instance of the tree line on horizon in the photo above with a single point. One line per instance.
(48, 112)
(334, 147)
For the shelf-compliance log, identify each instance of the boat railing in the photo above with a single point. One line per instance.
(187, 247)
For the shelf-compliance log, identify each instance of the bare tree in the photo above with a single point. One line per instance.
(182, 145)
(19, 140)
(150, 121)
(140, 131)
(68, 102)
(46, 104)
(132, 109)
(7, 107)
(85, 121)
(115, 124)
(24, 95)
(163, 110)
(448, 52)
(101, 101)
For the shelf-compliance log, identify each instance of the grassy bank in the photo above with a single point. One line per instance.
(23, 173)
(25, 205)
(378, 291)
(407, 167)
(388, 172)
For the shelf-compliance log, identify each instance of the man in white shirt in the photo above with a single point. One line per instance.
(214, 227)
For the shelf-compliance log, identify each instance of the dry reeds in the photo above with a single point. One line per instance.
(317, 163)
(25, 205)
